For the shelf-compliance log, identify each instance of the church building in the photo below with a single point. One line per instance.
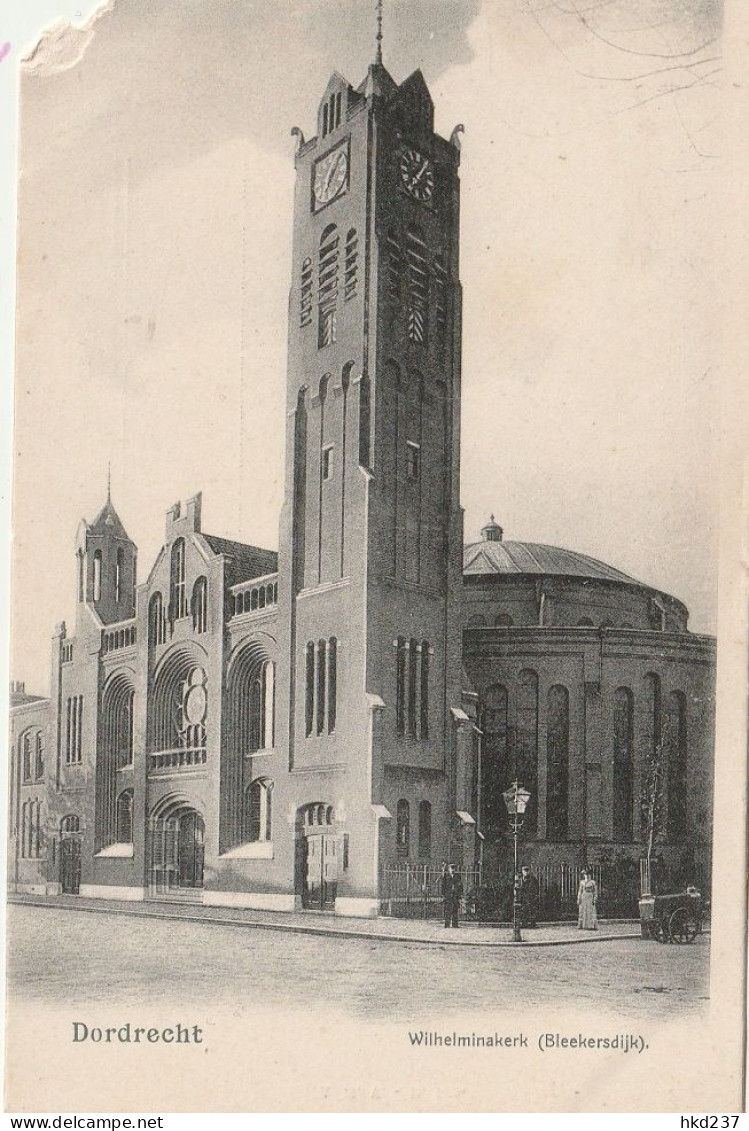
(298, 729)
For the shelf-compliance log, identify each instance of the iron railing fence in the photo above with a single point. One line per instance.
(415, 891)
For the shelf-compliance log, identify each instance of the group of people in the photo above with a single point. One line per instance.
(528, 890)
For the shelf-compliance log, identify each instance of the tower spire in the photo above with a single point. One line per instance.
(378, 37)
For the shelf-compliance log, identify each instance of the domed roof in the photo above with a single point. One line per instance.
(493, 556)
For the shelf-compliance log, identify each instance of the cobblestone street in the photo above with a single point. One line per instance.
(64, 956)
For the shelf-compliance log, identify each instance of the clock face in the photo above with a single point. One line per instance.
(417, 175)
(330, 176)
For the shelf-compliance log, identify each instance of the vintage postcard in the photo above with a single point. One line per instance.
(377, 720)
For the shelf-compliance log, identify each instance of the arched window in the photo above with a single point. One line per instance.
(623, 764)
(70, 824)
(177, 599)
(677, 767)
(350, 265)
(585, 622)
(156, 622)
(258, 811)
(425, 689)
(26, 757)
(527, 744)
(81, 577)
(261, 707)
(309, 701)
(401, 662)
(332, 682)
(97, 575)
(418, 284)
(38, 756)
(503, 620)
(476, 621)
(200, 605)
(327, 286)
(557, 763)
(425, 829)
(402, 827)
(413, 686)
(320, 686)
(305, 299)
(125, 817)
(440, 300)
(119, 575)
(496, 769)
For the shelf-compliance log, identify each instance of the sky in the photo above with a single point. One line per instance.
(155, 192)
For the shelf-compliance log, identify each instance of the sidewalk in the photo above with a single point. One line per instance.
(429, 932)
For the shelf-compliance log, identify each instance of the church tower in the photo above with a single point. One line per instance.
(371, 529)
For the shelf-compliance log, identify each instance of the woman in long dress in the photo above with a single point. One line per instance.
(587, 897)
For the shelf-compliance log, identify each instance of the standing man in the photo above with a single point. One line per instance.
(452, 892)
(528, 896)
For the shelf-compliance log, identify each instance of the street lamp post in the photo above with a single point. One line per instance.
(516, 800)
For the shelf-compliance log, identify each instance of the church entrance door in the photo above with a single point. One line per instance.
(70, 855)
(176, 850)
(319, 852)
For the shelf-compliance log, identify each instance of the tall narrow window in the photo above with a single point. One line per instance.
(269, 704)
(350, 265)
(425, 829)
(677, 767)
(177, 601)
(125, 817)
(557, 763)
(320, 688)
(310, 690)
(38, 756)
(413, 687)
(26, 757)
(623, 763)
(418, 284)
(156, 623)
(258, 811)
(401, 660)
(440, 301)
(305, 294)
(332, 682)
(256, 711)
(364, 421)
(402, 827)
(200, 605)
(327, 286)
(97, 575)
(413, 460)
(527, 743)
(425, 689)
(496, 770)
(119, 575)
(327, 462)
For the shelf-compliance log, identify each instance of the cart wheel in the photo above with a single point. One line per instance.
(683, 926)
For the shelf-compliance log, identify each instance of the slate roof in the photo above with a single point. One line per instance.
(246, 562)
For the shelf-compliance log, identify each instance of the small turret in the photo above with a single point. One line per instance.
(492, 532)
(106, 562)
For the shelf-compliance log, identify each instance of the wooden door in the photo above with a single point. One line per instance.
(70, 864)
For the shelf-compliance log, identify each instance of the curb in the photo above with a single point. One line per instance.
(316, 929)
